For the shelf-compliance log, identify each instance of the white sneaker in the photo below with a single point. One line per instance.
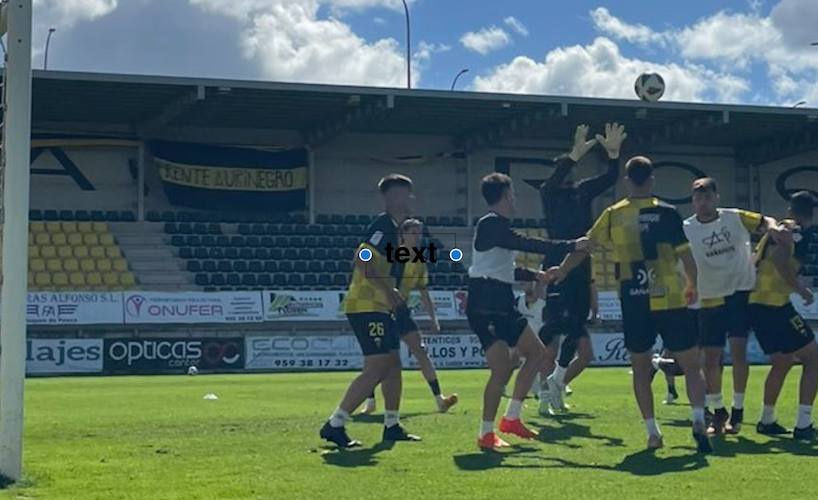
(369, 407)
(568, 390)
(669, 399)
(555, 391)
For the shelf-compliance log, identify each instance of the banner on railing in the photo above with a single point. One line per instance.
(301, 306)
(63, 356)
(192, 307)
(172, 355)
(74, 308)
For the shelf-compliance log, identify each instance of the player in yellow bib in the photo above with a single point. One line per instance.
(416, 277)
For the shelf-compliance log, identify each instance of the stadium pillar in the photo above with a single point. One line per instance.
(140, 183)
(17, 151)
(311, 181)
(469, 194)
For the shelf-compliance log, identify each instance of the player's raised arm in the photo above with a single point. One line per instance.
(565, 163)
(497, 232)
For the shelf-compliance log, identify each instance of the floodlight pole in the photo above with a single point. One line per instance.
(408, 47)
(17, 151)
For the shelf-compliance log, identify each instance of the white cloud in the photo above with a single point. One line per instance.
(516, 25)
(485, 40)
(619, 29)
(291, 43)
(600, 70)
(66, 13)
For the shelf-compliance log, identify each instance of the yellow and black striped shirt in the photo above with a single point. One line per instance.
(363, 296)
(646, 237)
(415, 277)
(771, 288)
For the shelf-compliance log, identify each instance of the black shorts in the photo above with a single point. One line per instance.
(492, 314)
(780, 329)
(677, 327)
(404, 322)
(377, 332)
(566, 311)
(731, 319)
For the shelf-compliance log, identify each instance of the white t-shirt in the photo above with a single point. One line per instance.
(534, 313)
(723, 251)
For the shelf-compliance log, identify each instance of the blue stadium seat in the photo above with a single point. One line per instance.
(67, 215)
(322, 219)
(127, 216)
(199, 217)
(285, 266)
(329, 230)
(209, 266)
(82, 215)
(280, 280)
(334, 254)
(222, 241)
(329, 267)
(300, 266)
(350, 219)
(276, 253)
(200, 228)
(296, 241)
(262, 253)
(237, 241)
(364, 220)
(264, 280)
(343, 230)
(249, 280)
(244, 229)
(177, 241)
(153, 216)
(214, 228)
(445, 221)
(208, 240)
(345, 266)
(217, 280)
(324, 242)
(271, 229)
(347, 254)
(35, 215)
(310, 242)
(314, 229)
(266, 242)
(202, 280)
(194, 266)
(299, 218)
(294, 280)
(171, 228)
(357, 230)
(168, 216)
(111, 216)
(252, 241)
(320, 253)
(431, 221)
(186, 253)
(216, 252)
(286, 229)
(282, 242)
(336, 219)
(231, 253)
(459, 221)
(51, 215)
(193, 241)
(184, 217)
(240, 266)
(310, 280)
(305, 254)
(201, 253)
(351, 242)
(246, 253)
(258, 229)
(541, 223)
(325, 280)
(223, 266)
(314, 266)
(233, 280)
(255, 266)
(185, 228)
(340, 280)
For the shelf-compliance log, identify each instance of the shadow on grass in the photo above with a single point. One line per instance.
(355, 457)
(642, 463)
(378, 418)
(567, 431)
(482, 461)
(732, 446)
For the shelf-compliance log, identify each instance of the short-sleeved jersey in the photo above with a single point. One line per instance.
(723, 251)
(363, 296)
(771, 288)
(415, 277)
(646, 238)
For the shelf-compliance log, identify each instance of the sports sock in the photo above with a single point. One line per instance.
(391, 418)
(804, 419)
(652, 427)
(486, 427)
(338, 418)
(371, 395)
(514, 409)
(559, 374)
(671, 388)
(738, 400)
(536, 386)
(544, 394)
(434, 385)
(718, 401)
(768, 414)
(698, 415)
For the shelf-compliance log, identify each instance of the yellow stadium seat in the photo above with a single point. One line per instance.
(81, 252)
(31, 239)
(71, 265)
(127, 280)
(42, 239)
(59, 279)
(65, 252)
(69, 227)
(42, 279)
(97, 252)
(53, 265)
(37, 227)
(100, 227)
(36, 265)
(48, 252)
(104, 265)
(59, 239)
(88, 265)
(120, 265)
(85, 227)
(110, 279)
(31, 283)
(91, 239)
(53, 227)
(77, 279)
(93, 279)
(75, 239)
(34, 252)
(106, 240)
(113, 252)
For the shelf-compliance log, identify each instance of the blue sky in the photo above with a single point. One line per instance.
(727, 51)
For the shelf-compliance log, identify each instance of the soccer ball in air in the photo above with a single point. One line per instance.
(192, 370)
(649, 87)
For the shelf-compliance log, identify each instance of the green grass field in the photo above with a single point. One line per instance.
(156, 438)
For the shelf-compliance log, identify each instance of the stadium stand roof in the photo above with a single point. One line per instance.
(130, 106)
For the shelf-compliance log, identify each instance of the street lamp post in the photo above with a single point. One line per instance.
(47, 44)
(408, 47)
(461, 73)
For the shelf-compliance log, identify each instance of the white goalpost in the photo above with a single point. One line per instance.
(15, 156)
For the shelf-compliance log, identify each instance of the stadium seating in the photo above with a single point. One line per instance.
(72, 251)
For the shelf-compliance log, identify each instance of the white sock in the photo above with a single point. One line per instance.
(718, 401)
(652, 427)
(559, 374)
(698, 415)
(391, 418)
(370, 402)
(439, 398)
(544, 394)
(536, 388)
(768, 415)
(338, 418)
(804, 419)
(514, 409)
(738, 400)
(486, 427)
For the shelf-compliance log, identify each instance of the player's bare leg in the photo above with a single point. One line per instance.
(548, 365)
(392, 387)
(741, 374)
(499, 360)
(531, 348)
(690, 362)
(414, 343)
(641, 366)
(780, 365)
(808, 355)
(713, 398)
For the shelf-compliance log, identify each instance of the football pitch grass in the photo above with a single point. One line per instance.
(156, 438)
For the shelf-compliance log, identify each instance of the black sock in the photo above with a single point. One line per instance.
(371, 395)
(435, 386)
(671, 388)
